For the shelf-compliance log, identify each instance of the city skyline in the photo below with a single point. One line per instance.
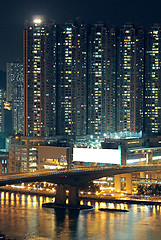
(82, 106)
(82, 79)
(93, 77)
(75, 77)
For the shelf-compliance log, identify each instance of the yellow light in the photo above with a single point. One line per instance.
(37, 20)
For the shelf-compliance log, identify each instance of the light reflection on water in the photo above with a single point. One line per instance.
(22, 217)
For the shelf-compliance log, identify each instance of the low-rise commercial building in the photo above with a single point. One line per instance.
(28, 154)
(3, 162)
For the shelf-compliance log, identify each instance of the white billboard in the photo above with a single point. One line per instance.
(112, 156)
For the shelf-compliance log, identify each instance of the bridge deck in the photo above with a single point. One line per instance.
(74, 176)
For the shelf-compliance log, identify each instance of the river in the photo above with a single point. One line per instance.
(22, 217)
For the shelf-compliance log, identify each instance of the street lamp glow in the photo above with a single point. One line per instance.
(37, 20)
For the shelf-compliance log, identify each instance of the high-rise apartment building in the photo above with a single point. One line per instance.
(9, 80)
(153, 80)
(39, 78)
(1, 110)
(72, 79)
(15, 94)
(130, 79)
(101, 79)
(90, 79)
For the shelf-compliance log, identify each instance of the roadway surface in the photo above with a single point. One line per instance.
(73, 177)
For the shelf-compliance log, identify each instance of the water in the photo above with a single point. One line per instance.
(22, 217)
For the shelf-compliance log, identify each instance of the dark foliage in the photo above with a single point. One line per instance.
(149, 190)
(89, 187)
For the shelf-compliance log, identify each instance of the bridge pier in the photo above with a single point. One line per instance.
(60, 198)
(117, 181)
(73, 196)
(60, 195)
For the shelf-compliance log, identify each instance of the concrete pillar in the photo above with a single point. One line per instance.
(158, 174)
(68, 157)
(60, 195)
(73, 196)
(128, 177)
(123, 153)
(142, 174)
(148, 157)
(117, 182)
(153, 175)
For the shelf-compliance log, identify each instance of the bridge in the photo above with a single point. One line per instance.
(73, 178)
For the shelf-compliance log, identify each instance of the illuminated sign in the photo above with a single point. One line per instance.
(112, 156)
(156, 157)
(131, 161)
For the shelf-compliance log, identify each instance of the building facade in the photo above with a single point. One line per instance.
(83, 79)
(1, 110)
(130, 79)
(28, 154)
(101, 79)
(39, 78)
(153, 80)
(72, 79)
(3, 162)
(23, 154)
(15, 94)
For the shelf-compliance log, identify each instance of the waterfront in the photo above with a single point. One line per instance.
(22, 217)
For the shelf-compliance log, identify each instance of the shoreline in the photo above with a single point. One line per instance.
(125, 201)
(27, 191)
(107, 199)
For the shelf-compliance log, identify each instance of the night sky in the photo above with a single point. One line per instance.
(13, 14)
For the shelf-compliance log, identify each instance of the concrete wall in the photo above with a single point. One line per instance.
(117, 181)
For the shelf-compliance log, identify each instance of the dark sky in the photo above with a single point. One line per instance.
(13, 14)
